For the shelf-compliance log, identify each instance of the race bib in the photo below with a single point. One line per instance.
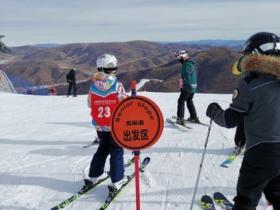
(102, 108)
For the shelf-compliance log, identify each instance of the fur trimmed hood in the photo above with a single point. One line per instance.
(263, 64)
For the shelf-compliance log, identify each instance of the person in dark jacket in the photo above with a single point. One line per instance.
(256, 101)
(71, 79)
(188, 89)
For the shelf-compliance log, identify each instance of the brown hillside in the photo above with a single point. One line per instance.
(137, 60)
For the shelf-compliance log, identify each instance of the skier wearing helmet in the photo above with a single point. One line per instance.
(189, 85)
(256, 101)
(104, 95)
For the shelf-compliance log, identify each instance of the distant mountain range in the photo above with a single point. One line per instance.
(215, 43)
(48, 45)
(209, 42)
(48, 64)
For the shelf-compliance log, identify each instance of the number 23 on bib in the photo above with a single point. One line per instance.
(102, 108)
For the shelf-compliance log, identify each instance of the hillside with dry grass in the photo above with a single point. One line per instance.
(138, 60)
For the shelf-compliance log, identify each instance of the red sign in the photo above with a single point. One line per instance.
(137, 123)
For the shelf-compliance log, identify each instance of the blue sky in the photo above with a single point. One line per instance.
(68, 21)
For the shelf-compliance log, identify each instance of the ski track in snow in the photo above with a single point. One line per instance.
(42, 156)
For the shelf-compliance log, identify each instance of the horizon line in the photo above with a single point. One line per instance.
(163, 42)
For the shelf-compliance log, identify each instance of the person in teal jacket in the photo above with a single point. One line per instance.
(188, 89)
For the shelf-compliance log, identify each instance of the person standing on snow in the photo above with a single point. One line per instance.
(104, 95)
(189, 85)
(257, 102)
(71, 79)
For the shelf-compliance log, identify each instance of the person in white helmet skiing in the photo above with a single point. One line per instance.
(104, 95)
(188, 89)
(256, 101)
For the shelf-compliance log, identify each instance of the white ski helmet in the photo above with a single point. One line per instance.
(182, 54)
(107, 63)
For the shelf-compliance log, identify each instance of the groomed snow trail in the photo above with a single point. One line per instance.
(42, 156)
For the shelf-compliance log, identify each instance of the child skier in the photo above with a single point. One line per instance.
(256, 101)
(104, 95)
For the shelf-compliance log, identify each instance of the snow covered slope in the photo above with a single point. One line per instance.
(42, 156)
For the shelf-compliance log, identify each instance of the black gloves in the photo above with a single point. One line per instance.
(212, 110)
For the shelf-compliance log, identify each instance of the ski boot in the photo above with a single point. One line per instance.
(117, 185)
(92, 180)
(193, 120)
(237, 150)
(180, 121)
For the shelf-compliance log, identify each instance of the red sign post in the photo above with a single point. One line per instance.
(137, 124)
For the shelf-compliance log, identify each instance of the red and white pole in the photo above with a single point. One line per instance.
(136, 159)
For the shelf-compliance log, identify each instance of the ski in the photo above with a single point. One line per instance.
(113, 193)
(230, 158)
(173, 122)
(85, 189)
(191, 122)
(222, 201)
(93, 143)
(206, 203)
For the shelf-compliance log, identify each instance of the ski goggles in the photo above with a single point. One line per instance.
(108, 70)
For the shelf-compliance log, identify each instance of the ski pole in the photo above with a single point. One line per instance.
(201, 163)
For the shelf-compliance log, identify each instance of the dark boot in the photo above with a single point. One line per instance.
(193, 120)
(180, 121)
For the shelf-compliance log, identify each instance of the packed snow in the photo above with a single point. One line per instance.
(42, 156)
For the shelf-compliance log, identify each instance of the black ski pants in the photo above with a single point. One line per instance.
(107, 145)
(186, 97)
(252, 182)
(72, 85)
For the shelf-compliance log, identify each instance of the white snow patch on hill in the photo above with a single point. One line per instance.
(144, 81)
